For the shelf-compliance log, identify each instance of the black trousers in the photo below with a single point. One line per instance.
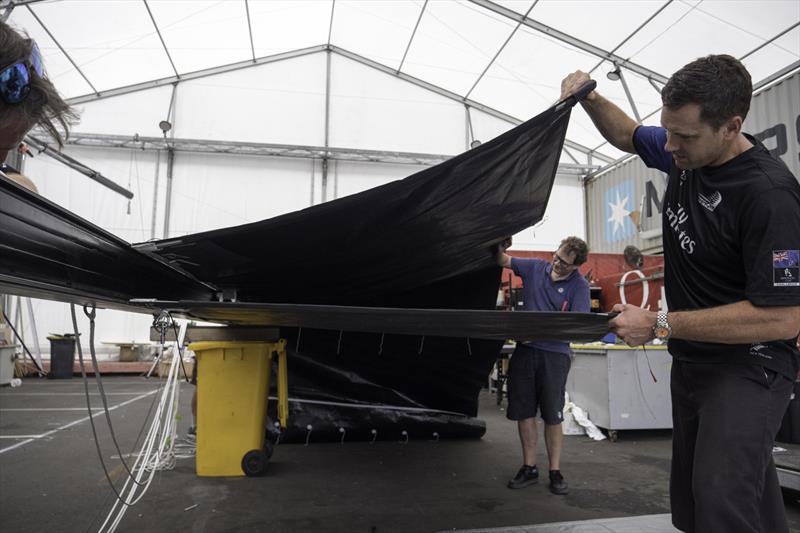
(725, 418)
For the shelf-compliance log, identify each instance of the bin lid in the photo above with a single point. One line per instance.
(216, 345)
(60, 336)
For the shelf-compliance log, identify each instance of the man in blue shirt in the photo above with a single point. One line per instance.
(731, 234)
(538, 370)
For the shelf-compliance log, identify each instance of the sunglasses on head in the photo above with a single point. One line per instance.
(15, 79)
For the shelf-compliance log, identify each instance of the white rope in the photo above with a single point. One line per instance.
(158, 451)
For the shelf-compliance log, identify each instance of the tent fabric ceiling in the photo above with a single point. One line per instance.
(489, 52)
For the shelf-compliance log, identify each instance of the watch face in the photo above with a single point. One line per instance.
(661, 332)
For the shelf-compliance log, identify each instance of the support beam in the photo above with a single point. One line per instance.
(168, 201)
(75, 65)
(43, 147)
(250, 30)
(630, 96)
(411, 39)
(155, 196)
(344, 53)
(572, 41)
(634, 32)
(249, 63)
(125, 142)
(765, 43)
(160, 38)
(453, 96)
(330, 24)
(502, 47)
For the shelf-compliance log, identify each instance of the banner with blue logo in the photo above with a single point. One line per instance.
(620, 202)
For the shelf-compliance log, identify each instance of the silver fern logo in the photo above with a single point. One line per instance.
(711, 201)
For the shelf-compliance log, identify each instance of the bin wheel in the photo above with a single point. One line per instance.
(254, 463)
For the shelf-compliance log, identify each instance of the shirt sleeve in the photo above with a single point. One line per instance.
(771, 247)
(649, 143)
(521, 267)
(580, 299)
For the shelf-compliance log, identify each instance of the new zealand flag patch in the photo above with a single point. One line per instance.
(786, 268)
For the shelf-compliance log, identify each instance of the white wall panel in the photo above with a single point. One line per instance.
(350, 178)
(126, 114)
(373, 110)
(219, 191)
(281, 102)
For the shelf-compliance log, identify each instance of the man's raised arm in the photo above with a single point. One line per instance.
(612, 122)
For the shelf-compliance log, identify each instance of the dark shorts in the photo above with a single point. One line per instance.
(725, 417)
(536, 381)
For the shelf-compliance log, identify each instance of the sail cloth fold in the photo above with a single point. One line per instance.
(367, 248)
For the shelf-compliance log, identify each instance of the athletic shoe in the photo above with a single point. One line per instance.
(557, 483)
(527, 475)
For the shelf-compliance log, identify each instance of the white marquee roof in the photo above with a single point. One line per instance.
(503, 58)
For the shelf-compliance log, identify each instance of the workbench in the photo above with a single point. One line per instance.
(614, 385)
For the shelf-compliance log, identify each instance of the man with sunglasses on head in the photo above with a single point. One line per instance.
(538, 370)
(731, 232)
(27, 97)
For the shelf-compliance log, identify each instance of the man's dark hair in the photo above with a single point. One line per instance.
(576, 246)
(719, 84)
(43, 105)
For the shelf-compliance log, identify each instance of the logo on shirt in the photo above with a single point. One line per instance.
(677, 221)
(711, 201)
(786, 268)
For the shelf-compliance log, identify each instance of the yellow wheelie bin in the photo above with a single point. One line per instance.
(232, 393)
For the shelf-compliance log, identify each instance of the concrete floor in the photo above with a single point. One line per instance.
(55, 482)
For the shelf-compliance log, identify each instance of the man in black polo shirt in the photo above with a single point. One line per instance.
(731, 234)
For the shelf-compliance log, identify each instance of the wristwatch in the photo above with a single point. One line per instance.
(662, 329)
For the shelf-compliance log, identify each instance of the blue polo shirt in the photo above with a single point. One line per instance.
(541, 293)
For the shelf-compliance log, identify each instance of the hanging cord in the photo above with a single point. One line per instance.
(149, 458)
(89, 407)
(179, 343)
(91, 313)
(639, 380)
(156, 451)
(650, 368)
(133, 448)
(22, 342)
